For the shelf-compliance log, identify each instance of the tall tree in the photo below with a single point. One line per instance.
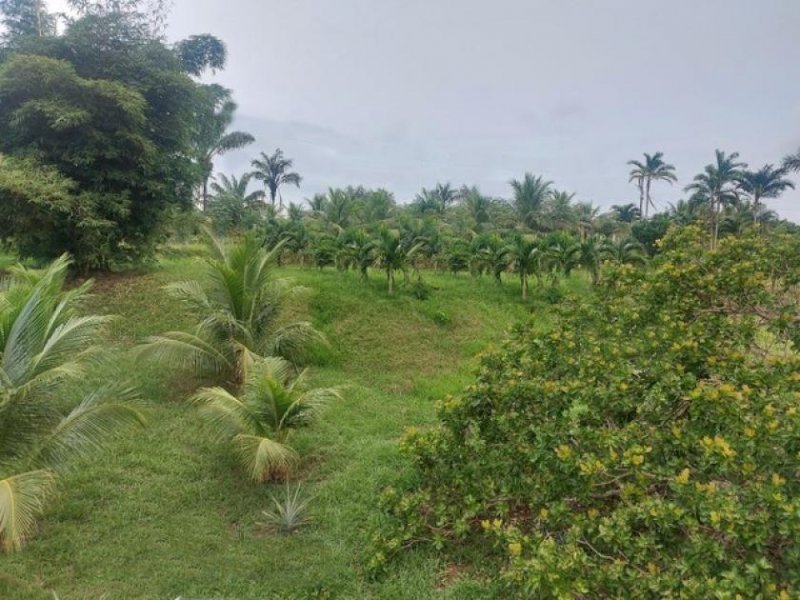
(717, 186)
(626, 213)
(530, 194)
(273, 171)
(211, 137)
(767, 182)
(645, 173)
(22, 18)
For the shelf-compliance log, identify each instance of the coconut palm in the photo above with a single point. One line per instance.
(260, 420)
(525, 255)
(718, 187)
(645, 173)
(767, 182)
(476, 204)
(491, 254)
(361, 249)
(561, 255)
(559, 211)
(44, 344)
(273, 171)
(530, 195)
(240, 311)
(585, 217)
(592, 252)
(211, 137)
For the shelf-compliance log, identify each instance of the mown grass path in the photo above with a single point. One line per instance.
(166, 512)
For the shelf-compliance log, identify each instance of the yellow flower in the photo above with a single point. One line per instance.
(683, 478)
(486, 524)
(784, 595)
(777, 480)
(750, 432)
(543, 513)
(652, 568)
(593, 513)
(715, 517)
(637, 459)
(497, 523)
(515, 549)
(563, 452)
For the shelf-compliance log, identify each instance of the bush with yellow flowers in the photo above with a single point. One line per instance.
(648, 445)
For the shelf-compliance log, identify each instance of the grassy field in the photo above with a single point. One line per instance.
(166, 512)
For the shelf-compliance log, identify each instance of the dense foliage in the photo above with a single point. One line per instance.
(649, 441)
(109, 111)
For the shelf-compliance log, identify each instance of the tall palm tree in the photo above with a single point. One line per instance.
(211, 137)
(558, 209)
(792, 162)
(237, 188)
(273, 171)
(240, 312)
(717, 186)
(767, 182)
(259, 421)
(44, 344)
(645, 173)
(476, 204)
(530, 195)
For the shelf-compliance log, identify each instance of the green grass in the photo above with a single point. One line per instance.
(166, 512)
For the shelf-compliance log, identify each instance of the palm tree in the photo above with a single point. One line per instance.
(476, 204)
(232, 206)
(767, 182)
(792, 162)
(592, 252)
(240, 313)
(644, 173)
(436, 201)
(45, 344)
(393, 253)
(717, 186)
(585, 216)
(626, 252)
(525, 254)
(273, 171)
(360, 251)
(211, 137)
(530, 194)
(492, 254)
(626, 213)
(338, 207)
(260, 420)
(561, 255)
(558, 210)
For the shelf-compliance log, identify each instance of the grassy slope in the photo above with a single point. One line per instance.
(167, 512)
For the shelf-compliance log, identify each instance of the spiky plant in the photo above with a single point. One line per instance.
(45, 343)
(260, 420)
(241, 312)
(525, 255)
(289, 511)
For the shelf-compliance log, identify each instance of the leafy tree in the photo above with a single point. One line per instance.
(718, 186)
(44, 344)
(647, 441)
(767, 182)
(240, 312)
(273, 171)
(22, 18)
(111, 110)
(260, 420)
(211, 137)
(648, 233)
(530, 196)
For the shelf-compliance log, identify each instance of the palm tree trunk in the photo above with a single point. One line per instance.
(647, 199)
(205, 194)
(641, 199)
(524, 280)
(390, 280)
(756, 202)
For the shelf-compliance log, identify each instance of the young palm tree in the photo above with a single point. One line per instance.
(718, 186)
(361, 250)
(592, 252)
(627, 251)
(476, 204)
(45, 343)
(393, 253)
(561, 256)
(559, 211)
(525, 254)
(492, 254)
(585, 217)
(644, 173)
(259, 421)
(530, 195)
(767, 182)
(232, 206)
(240, 312)
(273, 171)
(211, 137)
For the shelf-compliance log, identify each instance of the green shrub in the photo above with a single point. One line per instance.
(646, 446)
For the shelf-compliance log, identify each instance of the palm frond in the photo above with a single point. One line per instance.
(22, 499)
(263, 457)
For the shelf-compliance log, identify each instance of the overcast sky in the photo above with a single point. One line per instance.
(406, 93)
